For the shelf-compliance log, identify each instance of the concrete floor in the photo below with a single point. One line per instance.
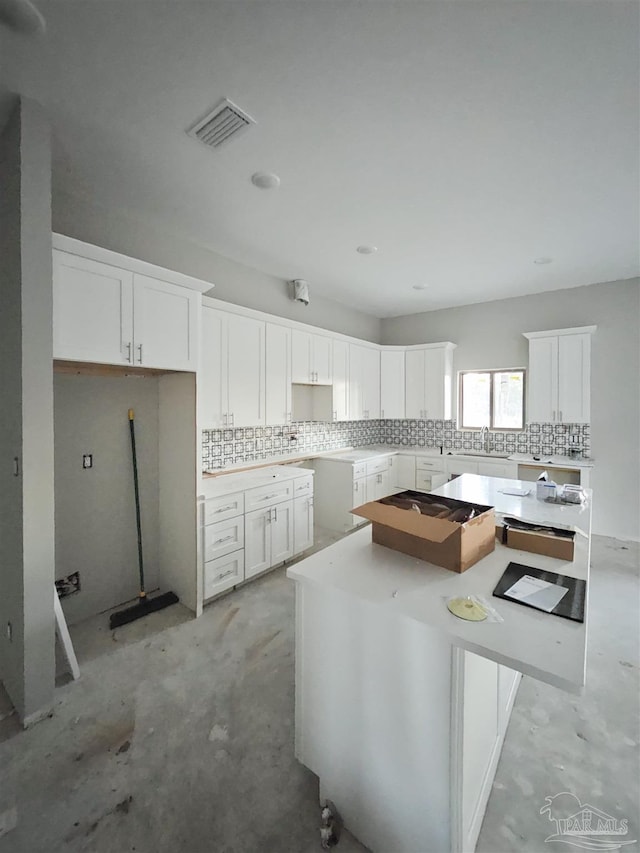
(179, 735)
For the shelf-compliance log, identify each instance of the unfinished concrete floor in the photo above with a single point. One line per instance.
(179, 736)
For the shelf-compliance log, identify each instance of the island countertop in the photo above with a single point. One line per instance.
(544, 646)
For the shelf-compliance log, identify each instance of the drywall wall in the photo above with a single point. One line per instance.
(234, 282)
(95, 510)
(27, 639)
(490, 335)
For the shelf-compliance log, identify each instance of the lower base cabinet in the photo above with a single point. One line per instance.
(268, 538)
(302, 524)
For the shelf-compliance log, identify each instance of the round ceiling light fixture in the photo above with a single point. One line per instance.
(541, 261)
(420, 286)
(265, 180)
(367, 250)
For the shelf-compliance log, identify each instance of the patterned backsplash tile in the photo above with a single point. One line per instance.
(224, 447)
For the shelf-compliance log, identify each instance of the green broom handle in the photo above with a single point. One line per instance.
(137, 493)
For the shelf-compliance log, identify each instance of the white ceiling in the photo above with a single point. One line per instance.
(464, 139)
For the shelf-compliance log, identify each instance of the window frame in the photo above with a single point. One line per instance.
(491, 371)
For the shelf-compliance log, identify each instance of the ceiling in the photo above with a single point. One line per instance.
(463, 139)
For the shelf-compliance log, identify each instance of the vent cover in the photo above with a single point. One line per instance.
(225, 122)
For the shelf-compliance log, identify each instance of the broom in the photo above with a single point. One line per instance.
(145, 605)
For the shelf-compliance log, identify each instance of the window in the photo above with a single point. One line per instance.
(491, 398)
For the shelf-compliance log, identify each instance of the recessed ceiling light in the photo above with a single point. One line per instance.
(420, 286)
(543, 261)
(367, 250)
(265, 180)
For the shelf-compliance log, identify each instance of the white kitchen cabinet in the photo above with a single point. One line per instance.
(302, 524)
(223, 573)
(428, 381)
(392, 380)
(457, 465)
(310, 358)
(364, 383)
(405, 472)
(106, 314)
(277, 374)
(430, 473)
(340, 382)
(498, 468)
(378, 486)
(559, 376)
(232, 373)
(268, 537)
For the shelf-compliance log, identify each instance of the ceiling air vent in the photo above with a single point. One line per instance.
(227, 121)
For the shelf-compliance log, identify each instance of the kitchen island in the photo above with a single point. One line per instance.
(401, 708)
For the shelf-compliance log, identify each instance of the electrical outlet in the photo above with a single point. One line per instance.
(8, 820)
(69, 585)
(87, 460)
(9, 632)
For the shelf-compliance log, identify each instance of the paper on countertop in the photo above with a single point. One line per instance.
(519, 492)
(536, 592)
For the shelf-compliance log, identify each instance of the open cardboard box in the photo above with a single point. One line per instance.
(538, 541)
(453, 545)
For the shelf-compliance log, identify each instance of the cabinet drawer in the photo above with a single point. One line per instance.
(425, 464)
(223, 573)
(359, 470)
(274, 493)
(223, 538)
(377, 465)
(303, 487)
(225, 506)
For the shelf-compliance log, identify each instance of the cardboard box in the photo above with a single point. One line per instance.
(538, 542)
(453, 545)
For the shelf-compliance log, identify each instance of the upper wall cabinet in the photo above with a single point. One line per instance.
(392, 384)
(559, 377)
(278, 374)
(340, 377)
(428, 381)
(231, 385)
(310, 358)
(113, 315)
(364, 383)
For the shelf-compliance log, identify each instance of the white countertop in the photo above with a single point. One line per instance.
(240, 480)
(544, 646)
(489, 491)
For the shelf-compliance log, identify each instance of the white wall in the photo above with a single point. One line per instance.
(96, 532)
(490, 335)
(27, 658)
(234, 282)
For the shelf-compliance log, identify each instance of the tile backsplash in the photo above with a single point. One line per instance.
(225, 447)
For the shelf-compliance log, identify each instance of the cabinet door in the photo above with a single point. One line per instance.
(281, 532)
(392, 384)
(359, 497)
(542, 380)
(414, 383)
(92, 311)
(321, 359)
(300, 356)
(574, 378)
(165, 324)
(257, 542)
(405, 472)
(434, 383)
(303, 524)
(245, 370)
(461, 466)
(497, 469)
(340, 381)
(371, 383)
(278, 374)
(212, 375)
(356, 395)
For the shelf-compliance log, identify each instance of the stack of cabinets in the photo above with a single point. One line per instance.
(364, 383)
(392, 381)
(223, 543)
(113, 315)
(559, 377)
(247, 532)
(311, 358)
(428, 378)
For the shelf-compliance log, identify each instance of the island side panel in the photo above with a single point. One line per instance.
(373, 710)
